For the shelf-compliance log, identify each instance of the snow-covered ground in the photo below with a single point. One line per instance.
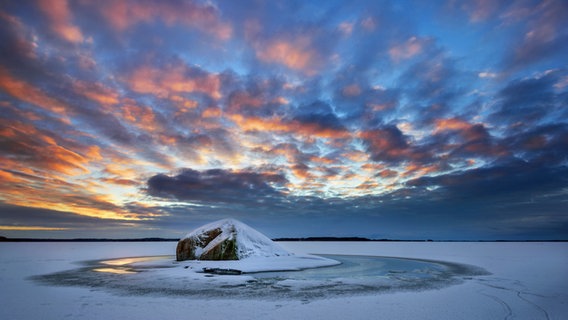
(527, 281)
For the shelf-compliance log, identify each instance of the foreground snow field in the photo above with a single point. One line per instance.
(528, 281)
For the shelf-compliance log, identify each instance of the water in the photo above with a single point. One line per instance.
(356, 275)
(362, 268)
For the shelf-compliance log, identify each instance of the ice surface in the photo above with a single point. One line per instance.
(356, 275)
(528, 281)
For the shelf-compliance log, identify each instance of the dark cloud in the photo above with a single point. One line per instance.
(388, 144)
(544, 145)
(509, 181)
(217, 185)
(16, 44)
(323, 121)
(432, 87)
(14, 215)
(545, 33)
(527, 101)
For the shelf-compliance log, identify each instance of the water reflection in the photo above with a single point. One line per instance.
(115, 270)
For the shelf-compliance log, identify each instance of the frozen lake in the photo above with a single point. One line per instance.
(353, 275)
(526, 281)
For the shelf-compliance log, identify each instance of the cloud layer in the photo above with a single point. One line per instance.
(386, 119)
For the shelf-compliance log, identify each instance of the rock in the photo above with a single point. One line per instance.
(222, 271)
(188, 248)
(226, 239)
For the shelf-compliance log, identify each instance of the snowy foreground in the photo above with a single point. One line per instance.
(527, 281)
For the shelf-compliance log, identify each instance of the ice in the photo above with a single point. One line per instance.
(528, 281)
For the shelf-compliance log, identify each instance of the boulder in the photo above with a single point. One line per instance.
(226, 239)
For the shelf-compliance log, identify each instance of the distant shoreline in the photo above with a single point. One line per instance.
(307, 239)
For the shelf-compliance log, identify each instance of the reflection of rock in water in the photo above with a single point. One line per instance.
(355, 276)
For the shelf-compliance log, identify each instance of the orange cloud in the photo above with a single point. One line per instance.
(120, 169)
(296, 54)
(141, 116)
(94, 153)
(387, 173)
(97, 92)
(301, 171)
(356, 156)
(50, 192)
(29, 147)
(322, 160)
(28, 93)
(416, 170)
(60, 18)
(172, 80)
(31, 228)
(465, 129)
(451, 124)
(204, 17)
(243, 99)
(65, 161)
(212, 113)
(293, 126)
(8, 177)
(368, 185)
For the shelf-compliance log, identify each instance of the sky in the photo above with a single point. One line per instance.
(380, 119)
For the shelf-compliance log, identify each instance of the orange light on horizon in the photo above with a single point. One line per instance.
(32, 228)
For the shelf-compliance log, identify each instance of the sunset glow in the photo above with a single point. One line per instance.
(414, 119)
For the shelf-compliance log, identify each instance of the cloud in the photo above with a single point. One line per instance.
(205, 17)
(24, 146)
(501, 182)
(487, 75)
(544, 33)
(480, 10)
(173, 78)
(306, 47)
(217, 185)
(363, 114)
(45, 191)
(24, 91)
(295, 54)
(466, 139)
(408, 49)
(16, 42)
(527, 100)
(60, 19)
(545, 145)
(97, 92)
(388, 144)
(320, 126)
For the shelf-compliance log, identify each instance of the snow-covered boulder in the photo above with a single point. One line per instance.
(226, 239)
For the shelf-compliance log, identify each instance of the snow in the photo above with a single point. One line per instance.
(256, 252)
(250, 243)
(528, 281)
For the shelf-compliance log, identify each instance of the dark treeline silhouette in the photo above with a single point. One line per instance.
(352, 239)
